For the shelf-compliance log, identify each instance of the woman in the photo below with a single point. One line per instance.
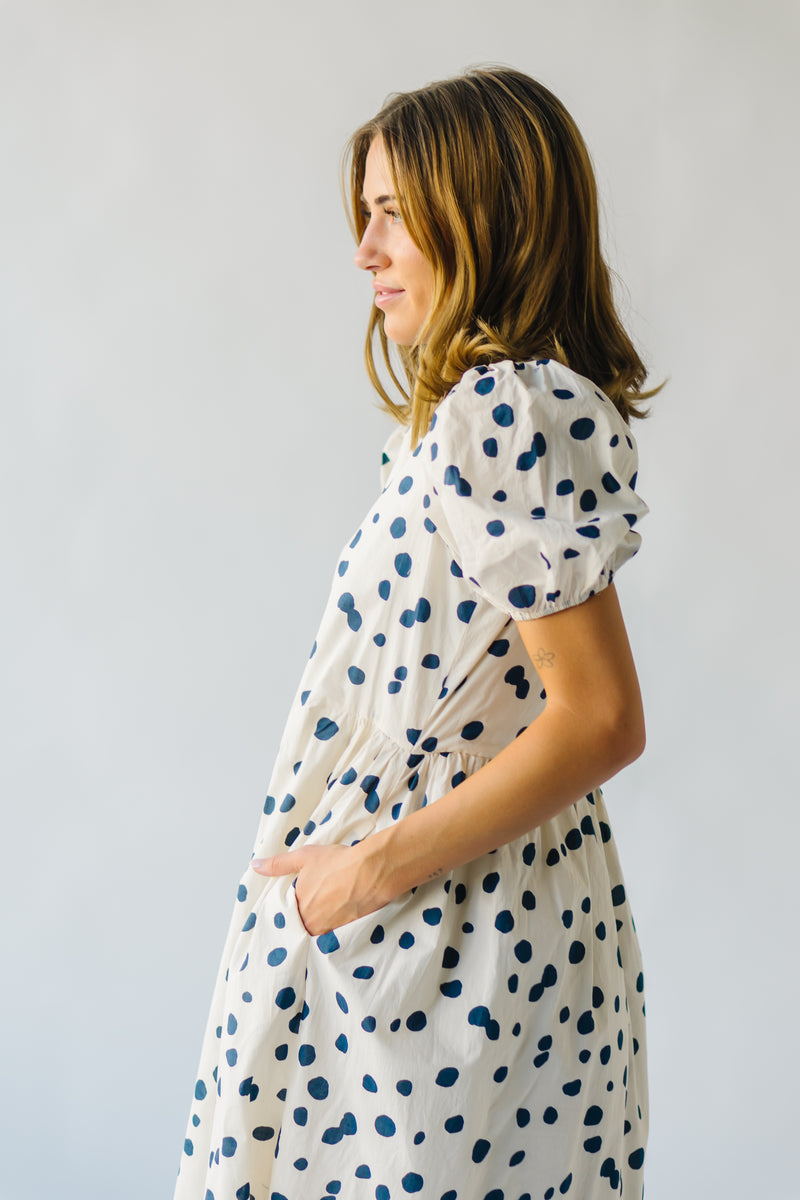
(432, 982)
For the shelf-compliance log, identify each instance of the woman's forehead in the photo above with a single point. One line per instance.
(378, 185)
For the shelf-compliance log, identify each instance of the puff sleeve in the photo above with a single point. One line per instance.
(532, 471)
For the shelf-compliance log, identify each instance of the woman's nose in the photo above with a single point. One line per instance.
(370, 256)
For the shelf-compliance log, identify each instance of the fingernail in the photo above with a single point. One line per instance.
(257, 863)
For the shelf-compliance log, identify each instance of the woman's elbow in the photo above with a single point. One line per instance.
(623, 737)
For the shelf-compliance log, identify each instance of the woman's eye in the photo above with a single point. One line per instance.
(394, 213)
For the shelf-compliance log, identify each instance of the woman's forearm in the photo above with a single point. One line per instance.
(591, 727)
(556, 760)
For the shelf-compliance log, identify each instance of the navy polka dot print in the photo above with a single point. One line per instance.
(482, 1037)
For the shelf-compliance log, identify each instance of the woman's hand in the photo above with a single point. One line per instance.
(330, 885)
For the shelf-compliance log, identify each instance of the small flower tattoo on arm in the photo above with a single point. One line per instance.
(544, 658)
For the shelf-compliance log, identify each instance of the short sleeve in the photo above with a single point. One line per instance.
(390, 452)
(532, 472)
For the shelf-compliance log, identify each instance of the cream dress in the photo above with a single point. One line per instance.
(482, 1036)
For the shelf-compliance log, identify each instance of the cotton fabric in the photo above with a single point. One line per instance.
(482, 1036)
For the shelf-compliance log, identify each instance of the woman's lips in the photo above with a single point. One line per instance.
(384, 295)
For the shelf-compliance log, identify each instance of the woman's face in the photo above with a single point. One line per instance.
(403, 277)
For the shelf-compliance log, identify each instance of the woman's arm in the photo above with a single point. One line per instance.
(591, 727)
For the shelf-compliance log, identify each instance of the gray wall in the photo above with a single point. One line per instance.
(188, 438)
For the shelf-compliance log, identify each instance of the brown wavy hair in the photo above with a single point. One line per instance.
(496, 187)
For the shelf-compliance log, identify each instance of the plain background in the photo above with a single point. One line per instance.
(188, 438)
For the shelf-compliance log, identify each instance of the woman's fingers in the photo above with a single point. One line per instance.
(279, 864)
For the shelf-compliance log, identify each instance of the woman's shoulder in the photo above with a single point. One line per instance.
(525, 397)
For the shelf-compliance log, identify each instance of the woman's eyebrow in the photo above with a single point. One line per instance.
(378, 200)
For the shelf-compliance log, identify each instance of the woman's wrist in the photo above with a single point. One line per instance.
(393, 861)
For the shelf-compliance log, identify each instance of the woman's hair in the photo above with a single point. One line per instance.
(496, 187)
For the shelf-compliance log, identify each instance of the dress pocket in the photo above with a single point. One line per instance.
(370, 932)
(293, 909)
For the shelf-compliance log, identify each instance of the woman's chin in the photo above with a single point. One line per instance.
(398, 332)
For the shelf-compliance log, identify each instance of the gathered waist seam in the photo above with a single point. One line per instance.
(368, 721)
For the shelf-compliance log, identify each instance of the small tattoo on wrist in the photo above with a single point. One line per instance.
(544, 658)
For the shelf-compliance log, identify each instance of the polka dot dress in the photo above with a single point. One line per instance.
(482, 1037)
